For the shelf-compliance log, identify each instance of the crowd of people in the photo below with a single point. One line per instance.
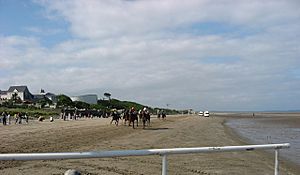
(17, 118)
(8, 118)
(74, 113)
(162, 114)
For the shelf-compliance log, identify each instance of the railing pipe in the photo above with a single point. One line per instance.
(146, 152)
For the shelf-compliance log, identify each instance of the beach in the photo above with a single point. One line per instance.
(98, 134)
(271, 128)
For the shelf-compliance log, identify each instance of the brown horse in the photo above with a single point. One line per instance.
(146, 118)
(126, 116)
(163, 115)
(133, 117)
(115, 117)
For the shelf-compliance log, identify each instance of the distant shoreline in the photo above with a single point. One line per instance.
(256, 112)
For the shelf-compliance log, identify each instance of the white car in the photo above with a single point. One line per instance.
(206, 114)
(200, 113)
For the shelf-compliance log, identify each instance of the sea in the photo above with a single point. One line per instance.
(271, 128)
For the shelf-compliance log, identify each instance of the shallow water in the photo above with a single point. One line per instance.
(270, 130)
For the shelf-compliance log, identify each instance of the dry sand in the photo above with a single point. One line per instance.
(97, 134)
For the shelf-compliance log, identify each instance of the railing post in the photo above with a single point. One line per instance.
(164, 165)
(276, 162)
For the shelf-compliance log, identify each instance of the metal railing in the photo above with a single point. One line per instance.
(146, 152)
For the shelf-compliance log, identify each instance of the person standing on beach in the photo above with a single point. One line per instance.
(4, 118)
(16, 117)
(26, 118)
(20, 118)
(8, 118)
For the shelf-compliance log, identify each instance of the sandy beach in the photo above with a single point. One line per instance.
(98, 134)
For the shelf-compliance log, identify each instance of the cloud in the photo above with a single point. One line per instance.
(96, 19)
(145, 51)
(42, 31)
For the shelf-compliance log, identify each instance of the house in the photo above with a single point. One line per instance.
(51, 97)
(21, 92)
(43, 95)
(3, 96)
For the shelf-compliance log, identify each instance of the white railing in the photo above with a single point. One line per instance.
(146, 152)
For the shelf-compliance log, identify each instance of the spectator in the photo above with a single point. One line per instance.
(20, 118)
(4, 118)
(8, 118)
(16, 117)
(26, 118)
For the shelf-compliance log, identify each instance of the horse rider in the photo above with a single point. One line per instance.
(132, 110)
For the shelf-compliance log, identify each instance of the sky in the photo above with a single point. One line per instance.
(223, 55)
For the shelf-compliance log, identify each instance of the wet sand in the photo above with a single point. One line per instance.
(97, 135)
(271, 128)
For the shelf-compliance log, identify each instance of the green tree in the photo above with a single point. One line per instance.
(44, 101)
(15, 98)
(81, 105)
(107, 95)
(64, 101)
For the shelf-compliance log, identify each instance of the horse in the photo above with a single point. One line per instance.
(146, 118)
(115, 117)
(140, 114)
(132, 117)
(126, 116)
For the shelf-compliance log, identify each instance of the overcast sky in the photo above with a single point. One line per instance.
(200, 54)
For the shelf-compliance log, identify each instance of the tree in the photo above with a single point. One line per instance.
(44, 101)
(107, 95)
(81, 105)
(15, 98)
(64, 101)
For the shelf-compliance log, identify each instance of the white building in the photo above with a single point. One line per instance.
(88, 98)
(21, 92)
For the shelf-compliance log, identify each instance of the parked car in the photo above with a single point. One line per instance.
(206, 114)
(200, 113)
